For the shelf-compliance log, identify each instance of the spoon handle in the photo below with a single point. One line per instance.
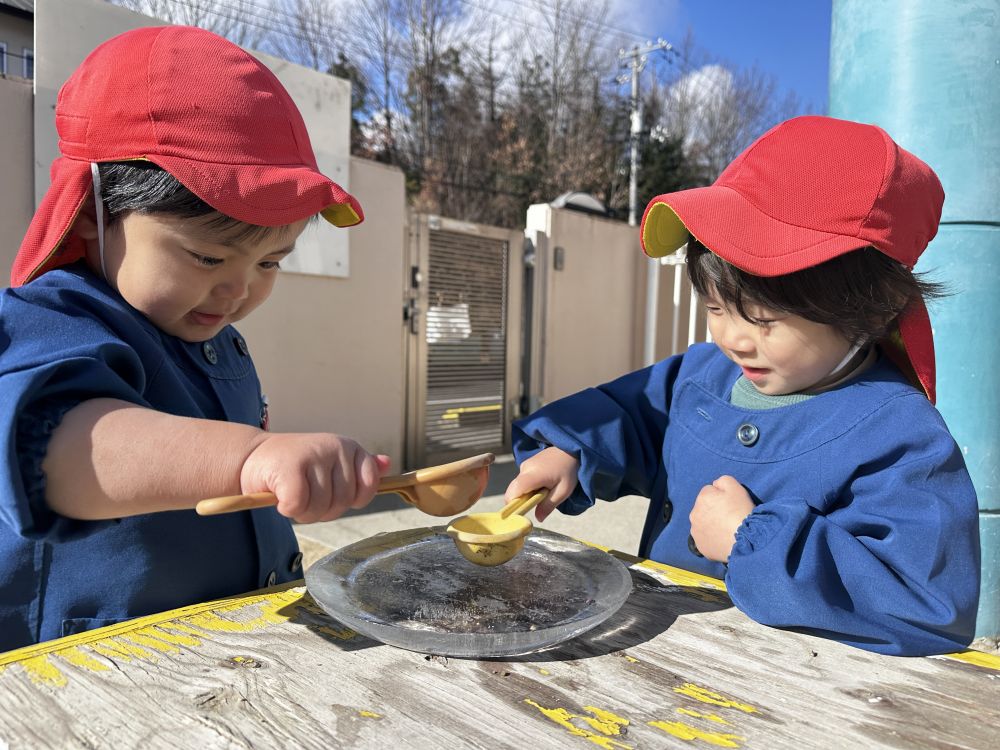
(523, 504)
(214, 506)
(230, 503)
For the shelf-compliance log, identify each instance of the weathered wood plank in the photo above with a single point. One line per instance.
(677, 666)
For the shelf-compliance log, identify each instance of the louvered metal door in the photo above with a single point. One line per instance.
(464, 355)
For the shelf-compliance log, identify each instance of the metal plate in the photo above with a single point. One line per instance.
(412, 589)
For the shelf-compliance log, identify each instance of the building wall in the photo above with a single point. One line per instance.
(592, 306)
(18, 34)
(329, 351)
(16, 187)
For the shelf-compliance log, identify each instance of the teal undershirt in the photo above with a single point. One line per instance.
(745, 396)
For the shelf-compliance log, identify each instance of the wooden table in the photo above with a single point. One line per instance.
(678, 666)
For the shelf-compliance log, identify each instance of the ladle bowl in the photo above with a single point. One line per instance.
(490, 539)
(442, 490)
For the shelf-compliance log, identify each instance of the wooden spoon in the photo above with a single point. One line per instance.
(436, 490)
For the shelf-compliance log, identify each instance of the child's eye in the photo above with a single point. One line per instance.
(765, 322)
(205, 260)
(269, 265)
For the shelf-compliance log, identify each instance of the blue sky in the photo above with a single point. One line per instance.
(789, 39)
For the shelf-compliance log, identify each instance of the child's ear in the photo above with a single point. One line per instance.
(85, 224)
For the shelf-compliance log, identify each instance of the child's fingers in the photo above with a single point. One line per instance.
(366, 472)
(383, 463)
(562, 490)
(345, 487)
(725, 483)
(293, 492)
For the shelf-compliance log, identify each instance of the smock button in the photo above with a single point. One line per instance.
(210, 354)
(272, 578)
(295, 565)
(241, 346)
(747, 434)
(668, 511)
(693, 547)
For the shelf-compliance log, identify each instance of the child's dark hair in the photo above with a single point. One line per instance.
(859, 293)
(145, 188)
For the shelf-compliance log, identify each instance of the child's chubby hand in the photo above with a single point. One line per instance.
(315, 476)
(718, 512)
(550, 468)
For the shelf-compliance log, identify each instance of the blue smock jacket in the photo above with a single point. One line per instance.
(865, 528)
(68, 337)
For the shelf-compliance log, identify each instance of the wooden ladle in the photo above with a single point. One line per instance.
(436, 490)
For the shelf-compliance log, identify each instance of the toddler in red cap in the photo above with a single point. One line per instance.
(799, 456)
(186, 175)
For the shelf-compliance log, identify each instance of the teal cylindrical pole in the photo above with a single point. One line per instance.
(929, 73)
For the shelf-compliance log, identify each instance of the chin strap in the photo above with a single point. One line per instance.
(99, 209)
(848, 357)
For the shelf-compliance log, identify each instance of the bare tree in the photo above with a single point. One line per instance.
(717, 110)
(244, 22)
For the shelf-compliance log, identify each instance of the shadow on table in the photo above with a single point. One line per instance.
(651, 608)
(307, 613)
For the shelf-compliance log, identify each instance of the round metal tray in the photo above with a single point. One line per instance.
(412, 589)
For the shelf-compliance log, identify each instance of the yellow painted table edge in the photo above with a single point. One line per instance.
(123, 628)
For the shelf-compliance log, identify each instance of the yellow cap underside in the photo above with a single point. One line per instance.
(341, 215)
(663, 232)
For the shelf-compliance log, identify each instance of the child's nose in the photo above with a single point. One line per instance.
(236, 286)
(737, 334)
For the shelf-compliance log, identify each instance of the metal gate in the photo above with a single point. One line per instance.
(463, 343)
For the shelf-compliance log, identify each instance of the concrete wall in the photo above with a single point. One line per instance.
(329, 351)
(18, 34)
(589, 317)
(16, 199)
(592, 306)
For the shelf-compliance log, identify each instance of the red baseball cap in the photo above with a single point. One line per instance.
(201, 108)
(807, 191)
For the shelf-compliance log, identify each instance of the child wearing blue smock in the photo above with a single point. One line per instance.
(799, 456)
(126, 395)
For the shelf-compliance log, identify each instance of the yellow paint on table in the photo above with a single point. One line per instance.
(605, 722)
(369, 714)
(144, 637)
(687, 732)
(708, 696)
(41, 671)
(676, 576)
(979, 658)
(80, 658)
(699, 715)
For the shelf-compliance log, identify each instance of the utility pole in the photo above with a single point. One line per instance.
(635, 60)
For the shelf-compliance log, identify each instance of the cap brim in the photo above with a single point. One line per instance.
(265, 195)
(733, 228)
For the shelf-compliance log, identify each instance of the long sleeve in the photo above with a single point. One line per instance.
(890, 564)
(615, 430)
(52, 358)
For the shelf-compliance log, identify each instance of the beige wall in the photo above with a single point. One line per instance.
(590, 316)
(18, 33)
(329, 351)
(16, 199)
(592, 307)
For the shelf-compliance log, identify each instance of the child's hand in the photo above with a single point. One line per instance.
(551, 468)
(718, 511)
(316, 476)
